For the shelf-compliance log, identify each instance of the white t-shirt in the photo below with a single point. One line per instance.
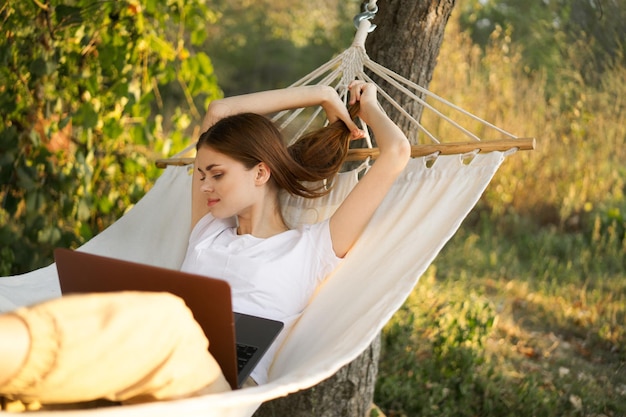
(273, 277)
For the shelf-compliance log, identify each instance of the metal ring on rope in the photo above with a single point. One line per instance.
(369, 10)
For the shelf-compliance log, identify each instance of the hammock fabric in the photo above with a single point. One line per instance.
(420, 214)
(422, 211)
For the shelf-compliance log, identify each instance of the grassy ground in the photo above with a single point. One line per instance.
(496, 330)
(523, 313)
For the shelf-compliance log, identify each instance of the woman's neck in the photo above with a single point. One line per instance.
(261, 228)
(263, 220)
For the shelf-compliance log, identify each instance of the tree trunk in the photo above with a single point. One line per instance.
(347, 393)
(407, 41)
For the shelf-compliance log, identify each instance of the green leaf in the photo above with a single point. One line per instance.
(85, 231)
(25, 179)
(64, 121)
(86, 116)
(34, 202)
(49, 235)
(68, 14)
(38, 67)
(84, 210)
(160, 46)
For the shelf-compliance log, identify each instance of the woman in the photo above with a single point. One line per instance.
(238, 232)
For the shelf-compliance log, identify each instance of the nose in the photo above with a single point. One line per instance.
(206, 187)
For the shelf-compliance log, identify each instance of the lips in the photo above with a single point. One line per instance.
(212, 202)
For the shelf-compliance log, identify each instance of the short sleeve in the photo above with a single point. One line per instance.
(322, 244)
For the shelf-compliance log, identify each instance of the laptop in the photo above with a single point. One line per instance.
(236, 341)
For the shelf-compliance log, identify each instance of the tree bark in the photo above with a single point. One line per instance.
(347, 393)
(407, 41)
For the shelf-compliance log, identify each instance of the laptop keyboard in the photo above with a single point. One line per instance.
(244, 353)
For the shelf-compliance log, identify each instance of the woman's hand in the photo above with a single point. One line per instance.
(365, 94)
(336, 110)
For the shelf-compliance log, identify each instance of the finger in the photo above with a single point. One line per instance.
(358, 90)
(355, 131)
(355, 88)
(357, 134)
(353, 98)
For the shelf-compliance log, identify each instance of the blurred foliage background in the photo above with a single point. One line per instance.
(521, 314)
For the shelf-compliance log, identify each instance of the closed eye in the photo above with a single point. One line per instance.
(213, 170)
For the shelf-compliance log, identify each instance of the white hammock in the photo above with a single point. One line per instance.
(420, 214)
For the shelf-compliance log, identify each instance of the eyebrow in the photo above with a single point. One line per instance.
(209, 167)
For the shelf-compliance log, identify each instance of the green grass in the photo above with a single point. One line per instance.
(511, 324)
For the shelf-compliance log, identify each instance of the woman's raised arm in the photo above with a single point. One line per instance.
(351, 218)
(271, 101)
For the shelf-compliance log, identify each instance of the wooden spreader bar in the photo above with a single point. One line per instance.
(450, 148)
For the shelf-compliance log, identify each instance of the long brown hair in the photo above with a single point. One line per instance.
(251, 138)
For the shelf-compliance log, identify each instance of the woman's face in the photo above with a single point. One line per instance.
(228, 186)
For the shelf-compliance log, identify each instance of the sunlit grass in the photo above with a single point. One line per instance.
(536, 344)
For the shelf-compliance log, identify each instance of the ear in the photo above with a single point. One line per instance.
(263, 173)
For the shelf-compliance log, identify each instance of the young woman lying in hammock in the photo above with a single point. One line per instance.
(238, 232)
